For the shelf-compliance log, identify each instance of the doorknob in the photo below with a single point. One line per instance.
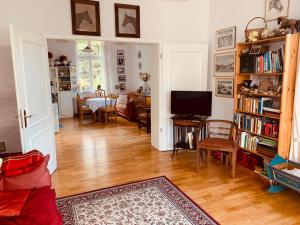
(26, 117)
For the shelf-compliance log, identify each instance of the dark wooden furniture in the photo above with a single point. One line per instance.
(144, 114)
(184, 124)
(144, 117)
(221, 136)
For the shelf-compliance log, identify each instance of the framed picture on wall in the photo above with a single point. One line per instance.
(122, 86)
(85, 17)
(224, 64)
(121, 61)
(276, 8)
(120, 70)
(127, 20)
(121, 78)
(225, 39)
(224, 87)
(120, 53)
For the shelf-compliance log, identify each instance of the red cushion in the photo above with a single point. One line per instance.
(1, 183)
(39, 209)
(38, 178)
(12, 202)
(20, 164)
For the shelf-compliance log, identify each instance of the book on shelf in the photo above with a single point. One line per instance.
(259, 126)
(270, 61)
(258, 105)
(248, 141)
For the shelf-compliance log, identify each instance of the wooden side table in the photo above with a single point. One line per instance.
(183, 125)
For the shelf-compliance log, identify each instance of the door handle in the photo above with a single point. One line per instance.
(26, 117)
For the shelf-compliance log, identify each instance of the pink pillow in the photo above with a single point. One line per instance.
(40, 177)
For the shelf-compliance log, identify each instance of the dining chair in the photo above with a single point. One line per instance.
(100, 93)
(110, 108)
(83, 109)
(221, 135)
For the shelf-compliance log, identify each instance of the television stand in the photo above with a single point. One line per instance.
(184, 124)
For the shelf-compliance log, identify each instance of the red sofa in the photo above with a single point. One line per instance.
(27, 195)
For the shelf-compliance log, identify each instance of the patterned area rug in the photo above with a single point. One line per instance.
(155, 201)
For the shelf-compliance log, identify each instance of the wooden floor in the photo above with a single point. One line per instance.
(91, 156)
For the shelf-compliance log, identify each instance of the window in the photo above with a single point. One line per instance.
(90, 65)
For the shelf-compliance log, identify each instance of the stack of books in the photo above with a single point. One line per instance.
(259, 126)
(270, 62)
(267, 147)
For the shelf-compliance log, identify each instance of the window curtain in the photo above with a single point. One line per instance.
(295, 142)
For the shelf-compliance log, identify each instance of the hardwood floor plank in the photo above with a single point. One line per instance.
(91, 156)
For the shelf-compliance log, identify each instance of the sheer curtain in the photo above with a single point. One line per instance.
(295, 143)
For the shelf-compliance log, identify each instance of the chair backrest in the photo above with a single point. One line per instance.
(100, 93)
(221, 129)
(111, 101)
(80, 101)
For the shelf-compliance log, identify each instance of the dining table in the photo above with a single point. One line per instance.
(95, 103)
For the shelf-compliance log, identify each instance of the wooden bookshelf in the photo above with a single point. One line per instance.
(286, 98)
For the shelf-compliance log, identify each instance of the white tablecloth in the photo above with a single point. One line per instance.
(95, 103)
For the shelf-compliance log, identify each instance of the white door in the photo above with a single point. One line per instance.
(30, 61)
(184, 68)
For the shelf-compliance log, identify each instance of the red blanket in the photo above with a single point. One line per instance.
(12, 202)
(39, 209)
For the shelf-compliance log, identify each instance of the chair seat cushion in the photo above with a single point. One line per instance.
(85, 107)
(217, 144)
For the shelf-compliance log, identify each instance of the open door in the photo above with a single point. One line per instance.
(184, 68)
(31, 71)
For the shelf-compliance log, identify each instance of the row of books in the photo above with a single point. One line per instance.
(257, 105)
(248, 141)
(270, 62)
(259, 126)
(257, 144)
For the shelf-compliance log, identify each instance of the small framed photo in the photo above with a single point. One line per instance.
(224, 87)
(121, 78)
(120, 70)
(255, 50)
(225, 39)
(121, 61)
(276, 8)
(85, 17)
(127, 20)
(122, 86)
(224, 64)
(120, 53)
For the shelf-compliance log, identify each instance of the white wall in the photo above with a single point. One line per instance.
(237, 13)
(132, 71)
(9, 125)
(62, 47)
(185, 21)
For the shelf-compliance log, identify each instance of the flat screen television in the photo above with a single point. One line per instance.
(197, 103)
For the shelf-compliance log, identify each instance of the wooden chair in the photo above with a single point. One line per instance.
(100, 93)
(110, 108)
(83, 109)
(220, 136)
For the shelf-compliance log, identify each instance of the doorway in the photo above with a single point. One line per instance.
(120, 68)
